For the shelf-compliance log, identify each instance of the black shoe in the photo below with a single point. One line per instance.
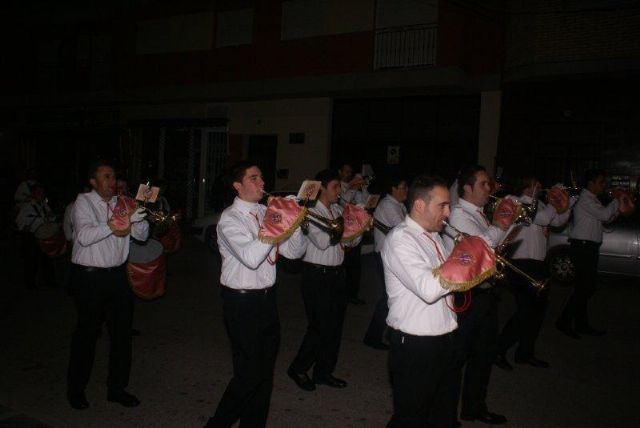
(375, 344)
(486, 417)
(78, 401)
(356, 301)
(533, 362)
(566, 329)
(302, 380)
(331, 381)
(590, 331)
(124, 398)
(502, 362)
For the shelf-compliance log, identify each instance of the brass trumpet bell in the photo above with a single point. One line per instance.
(334, 227)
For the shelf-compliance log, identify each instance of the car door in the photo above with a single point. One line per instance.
(619, 250)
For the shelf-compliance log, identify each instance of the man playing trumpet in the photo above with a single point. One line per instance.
(249, 300)
(324, 293)
(478, 333)
(530, 249)
(421, 321)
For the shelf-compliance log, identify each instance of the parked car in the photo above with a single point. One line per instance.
(619, 252)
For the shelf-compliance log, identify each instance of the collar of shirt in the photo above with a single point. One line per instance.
(246, 207)
(96, 199)
(525, 199)
(587, 193)
(473, 209)
(413, 225)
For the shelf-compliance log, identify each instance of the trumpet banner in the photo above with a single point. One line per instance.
(505, 213)
(470, 263)
(122, 212)
(282, 218)
(356, 221)
(559, 199)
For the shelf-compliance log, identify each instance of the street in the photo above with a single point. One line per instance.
(182, 362)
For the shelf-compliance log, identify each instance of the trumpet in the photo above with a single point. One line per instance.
(502, 263)
(334, 227)
(526, 213)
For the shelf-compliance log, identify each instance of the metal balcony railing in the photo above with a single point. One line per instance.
(404, 47)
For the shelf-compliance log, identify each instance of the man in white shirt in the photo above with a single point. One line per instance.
(585, 239)
(100, 288)
(249, 300)
(24, 189)
(324, 293)
(529, 252)
(421, 319)
(478, 326)
(390, 212)
(353, 191)
(37, 266)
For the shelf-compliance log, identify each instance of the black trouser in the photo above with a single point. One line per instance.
(424, 380)
(100, 294)
(524, 325)
(477, 342)
(352, 265)
(253, 326)
(324, 293)
(584, 256)
(378, 323)
(38, 267)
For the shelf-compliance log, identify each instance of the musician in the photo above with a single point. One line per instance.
(477, 335)
(585, 239)
(353, 191)
(529, 252)
(99, 287)
(249, 300)
(38, 267)
(421, 360)
(324, 293)
(24, 190)
(390, 212)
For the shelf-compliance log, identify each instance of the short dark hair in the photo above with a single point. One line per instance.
(239, 169)
(421, 187)
(327, 175)
(93, 168)
(394, 181)
(592, 174)
(467, 175)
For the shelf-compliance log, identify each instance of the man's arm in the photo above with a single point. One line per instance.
(250, 251)
(402, 257)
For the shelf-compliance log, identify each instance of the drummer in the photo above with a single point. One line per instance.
(38, 268)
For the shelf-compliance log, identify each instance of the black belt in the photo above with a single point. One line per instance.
(399, 336)
(93, 269)
(245, 291)
(584, 242)
(323, 268)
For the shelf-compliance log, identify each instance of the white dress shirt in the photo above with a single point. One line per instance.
(469, 218)
(588, 216)
(32, 215)
(23, 192)
(94, 244)
(353, 196)
(319, 248)
(248, 263)
(417, 301)
(531, 241)
(389, 212)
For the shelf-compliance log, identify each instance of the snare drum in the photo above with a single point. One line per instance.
(147, 269)
(51, 239)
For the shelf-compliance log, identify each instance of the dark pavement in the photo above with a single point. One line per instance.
(182, 362)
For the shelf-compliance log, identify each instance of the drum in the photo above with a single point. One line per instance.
(51, 240)
(147, 269)
(172, 239)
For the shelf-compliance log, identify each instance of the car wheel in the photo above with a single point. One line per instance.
(560, 266)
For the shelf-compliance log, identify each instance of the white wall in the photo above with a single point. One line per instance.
(310, 116)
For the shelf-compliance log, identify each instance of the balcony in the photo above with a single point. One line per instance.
(405, 47)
